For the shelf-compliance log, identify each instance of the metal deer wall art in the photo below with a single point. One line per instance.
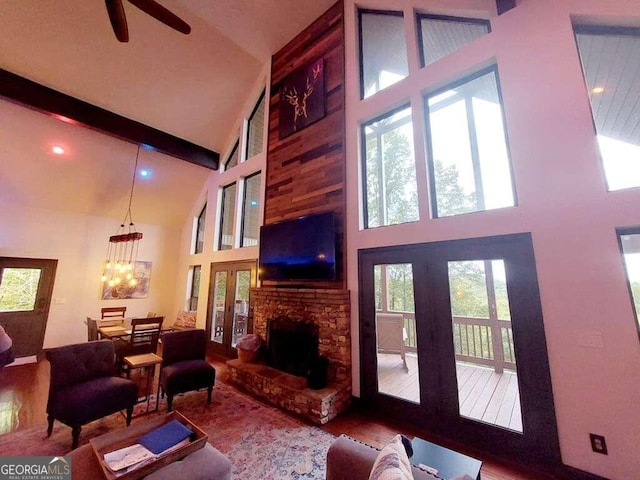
(302, 99)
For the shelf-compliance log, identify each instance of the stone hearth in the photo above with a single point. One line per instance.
(329, 310)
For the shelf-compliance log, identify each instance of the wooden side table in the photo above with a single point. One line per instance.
(148, 361)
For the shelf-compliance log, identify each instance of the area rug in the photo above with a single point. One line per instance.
(262, 442)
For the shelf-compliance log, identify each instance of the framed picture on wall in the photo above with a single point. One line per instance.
(301, 98)
(142, 274)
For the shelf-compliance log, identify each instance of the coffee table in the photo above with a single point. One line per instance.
(449, 463)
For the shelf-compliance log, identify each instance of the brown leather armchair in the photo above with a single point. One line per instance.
(84, 386)
(184, 365)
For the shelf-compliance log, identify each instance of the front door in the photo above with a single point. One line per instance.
(25, 295)
(228, 307)
(453, 341)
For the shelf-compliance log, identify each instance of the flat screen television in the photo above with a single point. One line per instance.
(299, 249)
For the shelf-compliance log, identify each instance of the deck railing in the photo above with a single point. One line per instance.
(476, 340)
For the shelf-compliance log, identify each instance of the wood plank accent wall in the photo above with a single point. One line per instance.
(306, 170)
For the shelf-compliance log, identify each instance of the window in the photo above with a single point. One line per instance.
(383, 50)
(194, 288)
(468, 156)
(255, 129)
(629, 239)
(439, 36)
(389, 169)
(225, 242)
(18, 289)
(200, 230)
(610, 62)
(250, 211)
(234, 156)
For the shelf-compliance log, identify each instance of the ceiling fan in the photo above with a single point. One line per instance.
(150, 7)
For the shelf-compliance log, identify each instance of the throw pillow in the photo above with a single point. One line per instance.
(186, 319)
(392, 462)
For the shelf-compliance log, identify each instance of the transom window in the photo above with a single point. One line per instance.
(251, 211)
(199, 246)
(383, 50)
(629, 239)
(469, 164)
(234, 157)
(225, 240)
(195, 287)
(391, 195)
(610, 62)
(440, 36)
(255, 129)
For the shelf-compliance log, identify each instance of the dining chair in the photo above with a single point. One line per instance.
(145, 333)
(92, 329)
(112, 312)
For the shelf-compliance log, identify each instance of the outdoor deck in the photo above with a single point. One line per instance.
(483, 394)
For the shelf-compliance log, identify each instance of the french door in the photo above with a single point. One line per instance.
(452, 340)
(25, 295)
(228, 307)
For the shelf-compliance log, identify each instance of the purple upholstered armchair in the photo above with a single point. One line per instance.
(184, 367)
(84, 387)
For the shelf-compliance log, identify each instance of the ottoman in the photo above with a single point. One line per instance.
(206, 463)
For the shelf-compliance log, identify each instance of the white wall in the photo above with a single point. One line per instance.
(562, 200)
(79, 243)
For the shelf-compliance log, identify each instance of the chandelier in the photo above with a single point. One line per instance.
(122, 250)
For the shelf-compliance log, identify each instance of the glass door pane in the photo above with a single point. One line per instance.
(486, 371)
(217, 316)
(397, 354)
(241, 305)
(18, 289)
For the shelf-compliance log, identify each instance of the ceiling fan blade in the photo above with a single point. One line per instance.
(160, 13)
(118, 19)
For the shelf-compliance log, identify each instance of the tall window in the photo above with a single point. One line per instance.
(195, 287)
(234, 157)
(389, 168)
(610, 62)
(468, 155)
(255, 129)
(200, 230)
(629, 239)
(225, 241)
(439, 36)
(383, 50)
(250, 211)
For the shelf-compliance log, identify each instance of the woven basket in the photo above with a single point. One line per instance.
(247, 356)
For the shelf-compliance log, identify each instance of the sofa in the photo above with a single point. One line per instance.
(350, 459)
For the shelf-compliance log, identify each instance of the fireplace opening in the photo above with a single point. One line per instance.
(292, 346)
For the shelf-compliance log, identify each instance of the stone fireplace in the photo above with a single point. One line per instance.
(302, 317)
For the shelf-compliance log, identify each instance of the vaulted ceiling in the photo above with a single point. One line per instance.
(191, 86)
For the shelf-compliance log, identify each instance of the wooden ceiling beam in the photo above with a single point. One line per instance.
(71, 110)
(505, 5)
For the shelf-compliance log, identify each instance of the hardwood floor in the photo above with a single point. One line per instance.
(24, 389)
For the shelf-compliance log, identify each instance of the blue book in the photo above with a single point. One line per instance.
(166, 436)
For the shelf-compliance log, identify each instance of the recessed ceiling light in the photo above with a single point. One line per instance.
(57, 149)
(597, 90)
(144, 173)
